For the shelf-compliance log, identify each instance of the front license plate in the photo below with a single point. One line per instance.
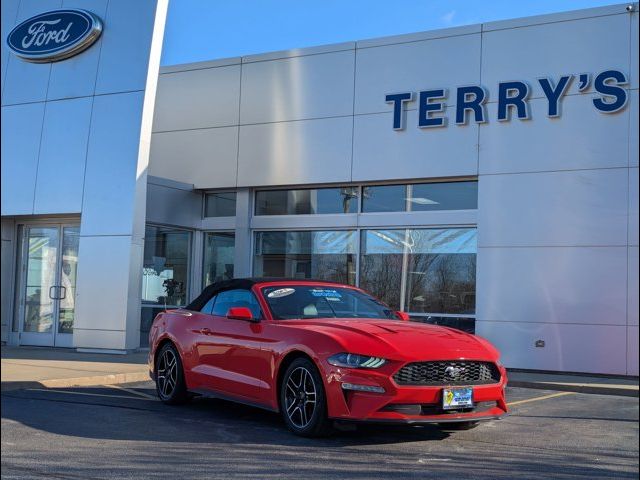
(457, 398)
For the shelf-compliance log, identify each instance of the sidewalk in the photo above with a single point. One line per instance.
(603, 385)
(38, 367)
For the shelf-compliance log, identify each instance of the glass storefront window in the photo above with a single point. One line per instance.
(165, 273)
(421, 270)
(420, 197)
(384, 198)
(443, 196)
(220, 204)
(219, 249)
(307, 201)
(322, 255)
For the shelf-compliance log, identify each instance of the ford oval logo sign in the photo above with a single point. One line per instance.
(54, 35)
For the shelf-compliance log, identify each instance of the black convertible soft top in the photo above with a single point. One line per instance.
(239, 283)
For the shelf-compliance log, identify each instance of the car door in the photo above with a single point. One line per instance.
(234, 353)
(201, 345)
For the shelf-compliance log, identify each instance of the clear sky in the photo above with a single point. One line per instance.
(208, 29)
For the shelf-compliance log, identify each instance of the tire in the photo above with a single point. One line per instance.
(458, 425)
(170, 385)
(303, 402)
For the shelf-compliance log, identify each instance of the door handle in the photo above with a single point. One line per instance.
(51, 297)
(205, 331)
(63, 293)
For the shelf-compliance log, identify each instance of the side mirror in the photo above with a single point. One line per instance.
(403, 316)
(241, 313)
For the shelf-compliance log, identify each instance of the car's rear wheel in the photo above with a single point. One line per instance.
(170, 384)
(302, 400)
(458, 425)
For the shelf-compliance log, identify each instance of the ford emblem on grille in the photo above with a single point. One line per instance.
(54, 35)
(453, 372)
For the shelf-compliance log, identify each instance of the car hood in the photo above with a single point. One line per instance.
(401, 340)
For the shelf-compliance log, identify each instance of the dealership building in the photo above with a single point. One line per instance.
(483, 177)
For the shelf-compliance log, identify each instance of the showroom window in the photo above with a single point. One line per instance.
(420, 197)
(307, 201)
(218, 258)
(220, 204)
(421, 270)
(322, 255)
(165, 273)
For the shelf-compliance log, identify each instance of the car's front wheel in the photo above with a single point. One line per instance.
(302, 400)
(170, 384)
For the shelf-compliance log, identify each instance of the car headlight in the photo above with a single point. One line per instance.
(353, 360)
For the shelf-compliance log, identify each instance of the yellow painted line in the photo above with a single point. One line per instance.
(133, 392)
(544, 397)
(83, 393)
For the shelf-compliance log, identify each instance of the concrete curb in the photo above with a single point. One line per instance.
(620, 390)
(110, 379)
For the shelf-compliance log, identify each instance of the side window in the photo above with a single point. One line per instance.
(208, 307)
(236, 298)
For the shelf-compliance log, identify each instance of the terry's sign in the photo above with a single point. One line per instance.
(470, 101)
(55, 35)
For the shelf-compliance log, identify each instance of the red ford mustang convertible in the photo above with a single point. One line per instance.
(319, 352)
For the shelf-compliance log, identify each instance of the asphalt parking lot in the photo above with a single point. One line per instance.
(124, 432)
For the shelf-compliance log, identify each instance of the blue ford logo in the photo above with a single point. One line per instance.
(54, 35)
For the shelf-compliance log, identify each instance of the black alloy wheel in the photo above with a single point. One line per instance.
(170, 384)
(302, 400)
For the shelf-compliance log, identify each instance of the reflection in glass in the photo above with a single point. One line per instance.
(322, 255)
(384, 198)
(434, 268)
(166, 266)
(443, 196)
(70, 242)
(42, 258)
(220, 204)
(307, 201)
(218, 257)
(165, 273)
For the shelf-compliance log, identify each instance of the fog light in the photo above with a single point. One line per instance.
(362, 388)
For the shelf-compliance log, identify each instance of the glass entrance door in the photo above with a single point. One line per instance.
(49, 266)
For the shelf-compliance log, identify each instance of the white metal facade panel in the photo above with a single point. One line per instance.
(306, 151)
(76, 76)
(381, 153)
(589, 45)
(633, 71)
(206, 158)
(24, 81)
(634, 153)
(582, 138)
(8, 17)
(573, 208)
(586, 285)
(110, 178)
(633, 287)
(126, 40)
(21, 131)
(633, 206)
(313, 86)
(197, 99)
(411, 67)
(63, 151)
(568, 347)
(632, 350)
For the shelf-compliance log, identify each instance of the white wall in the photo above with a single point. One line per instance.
(75, 138)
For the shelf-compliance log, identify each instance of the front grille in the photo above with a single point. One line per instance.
(455, 372)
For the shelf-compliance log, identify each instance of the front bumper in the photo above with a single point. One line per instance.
(406, 404)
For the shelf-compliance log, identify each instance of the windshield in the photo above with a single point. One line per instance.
(309, 301)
